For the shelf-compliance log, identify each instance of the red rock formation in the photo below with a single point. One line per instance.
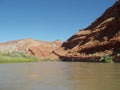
(102, 37)
(44, 51)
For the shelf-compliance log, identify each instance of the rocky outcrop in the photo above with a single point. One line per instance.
(101, 38)
(45, 50)
(40, 49)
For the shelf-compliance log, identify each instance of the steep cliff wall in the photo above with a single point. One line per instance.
(101, 38)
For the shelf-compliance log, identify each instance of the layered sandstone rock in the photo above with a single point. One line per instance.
(101, 38)
(45, 50)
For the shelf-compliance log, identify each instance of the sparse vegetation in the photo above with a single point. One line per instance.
(118, 52)
(106, 59)
(16, 57)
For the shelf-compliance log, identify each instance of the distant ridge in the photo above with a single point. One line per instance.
(27, 45)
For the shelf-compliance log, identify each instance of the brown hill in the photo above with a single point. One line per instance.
(101, 38)
(40, 49)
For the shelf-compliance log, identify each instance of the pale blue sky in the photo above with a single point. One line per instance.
(47, 19)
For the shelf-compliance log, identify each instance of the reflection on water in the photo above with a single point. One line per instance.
(60, 76)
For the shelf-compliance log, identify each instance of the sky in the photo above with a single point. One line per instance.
(47, 20)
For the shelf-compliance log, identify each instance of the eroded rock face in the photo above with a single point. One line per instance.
(45, 50)
(102, 37)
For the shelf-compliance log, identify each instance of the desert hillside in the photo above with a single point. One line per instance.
(100, 38)
(40, 49)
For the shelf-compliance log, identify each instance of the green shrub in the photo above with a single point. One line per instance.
(16, 57)
(118, 52)
(106, 59)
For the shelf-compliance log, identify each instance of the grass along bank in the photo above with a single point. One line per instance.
(16, 58)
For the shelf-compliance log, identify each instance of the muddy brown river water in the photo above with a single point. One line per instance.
(60, 76)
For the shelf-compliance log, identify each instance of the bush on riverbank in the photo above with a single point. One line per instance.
(106, 59)
(16, 57)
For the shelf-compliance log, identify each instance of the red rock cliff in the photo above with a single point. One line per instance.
(101, 38)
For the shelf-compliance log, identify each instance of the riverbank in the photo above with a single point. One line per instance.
(16, 58)
(104, 59)
(21, 58)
